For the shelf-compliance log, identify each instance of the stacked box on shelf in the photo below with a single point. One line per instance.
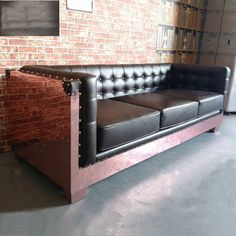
(159, 36)
(162, 16)
(182, 15)
(185, 16)
(188, 20)
(180, 39)
(179, 33)
(174, 14)
(165, 11)
(196, 40)
(176, 38)
(171, 38)
(164, 40)
(195, 19)
(189, 40)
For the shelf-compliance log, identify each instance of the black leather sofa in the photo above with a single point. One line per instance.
(131, 104)
(125, 106)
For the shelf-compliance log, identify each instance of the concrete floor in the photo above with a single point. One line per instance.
(189, 190)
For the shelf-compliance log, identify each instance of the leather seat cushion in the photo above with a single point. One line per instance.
(208, 101)
(119, 123)
(173, 110)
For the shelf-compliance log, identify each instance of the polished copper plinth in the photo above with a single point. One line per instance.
(53, 146)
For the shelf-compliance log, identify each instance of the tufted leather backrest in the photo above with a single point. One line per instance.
(120, 80)
(200, 77)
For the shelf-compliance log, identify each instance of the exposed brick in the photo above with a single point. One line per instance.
(112, 31)
(118, 31)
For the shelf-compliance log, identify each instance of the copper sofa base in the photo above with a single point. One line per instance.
(46, 122)
(81, 178)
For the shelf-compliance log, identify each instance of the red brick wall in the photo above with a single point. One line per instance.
(32, 108)
(118, 31)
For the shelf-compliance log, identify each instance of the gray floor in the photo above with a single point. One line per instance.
(189, 190)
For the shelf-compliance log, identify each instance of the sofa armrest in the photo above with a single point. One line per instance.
(201, 77)
(86, 85)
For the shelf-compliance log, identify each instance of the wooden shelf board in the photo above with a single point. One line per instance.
(176, 50)
(189, 4)
(180, 26)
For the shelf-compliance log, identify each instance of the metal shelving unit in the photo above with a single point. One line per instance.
(179, 29)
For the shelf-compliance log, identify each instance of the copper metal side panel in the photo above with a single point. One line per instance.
(41, 120)
(92, 174)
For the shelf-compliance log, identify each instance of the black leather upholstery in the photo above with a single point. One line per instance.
(88, 124)
(119, 123)
(208, 101)
(199, 77)
(122, 81)
(154, 136)
(173, 110)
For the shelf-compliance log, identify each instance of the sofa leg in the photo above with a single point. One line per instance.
(17, 157)
(76, 196)
(214, 130)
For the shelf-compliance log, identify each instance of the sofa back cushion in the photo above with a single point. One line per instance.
(120, 80)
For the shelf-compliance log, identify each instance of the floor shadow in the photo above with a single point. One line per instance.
(25, 188)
